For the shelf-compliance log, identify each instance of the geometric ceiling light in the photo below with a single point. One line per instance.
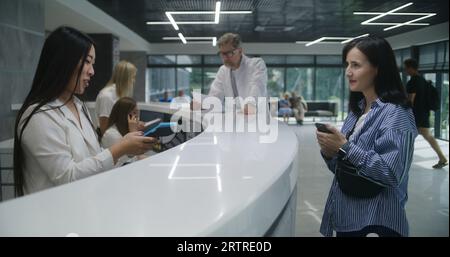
(394, 13)
(217, 12)
(193, 40)
(341, 40)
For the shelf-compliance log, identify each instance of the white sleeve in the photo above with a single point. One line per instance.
(217, 86)
(258, 79)
(111, 137)
(103, 105)
(45, 141)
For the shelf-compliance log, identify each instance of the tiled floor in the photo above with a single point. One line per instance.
(427, 206)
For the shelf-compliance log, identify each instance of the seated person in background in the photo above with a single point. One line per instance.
(285, 108)
(124, 118)
(299, 107)
(165, 98)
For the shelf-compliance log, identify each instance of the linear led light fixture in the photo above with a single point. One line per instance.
(393, 12)
(192, 22)
(214, 39)
(392, 24)
(322, 39)
(322, 42)
(350, 39)
(172, 20)
(182, 38)
(386, 13)
(217, 13)
(325, 38)
(409, 22)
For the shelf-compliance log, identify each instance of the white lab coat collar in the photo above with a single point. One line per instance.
(243, 63)
(85, 120)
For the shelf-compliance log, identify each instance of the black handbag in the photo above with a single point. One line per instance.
(351, 183)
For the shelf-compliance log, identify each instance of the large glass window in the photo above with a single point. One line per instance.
(444, 107)
(209, 74)
(315, 77)
(189, 78)
(275, 83)
(300, 81)
(161, 59)
(329, 84)
(189, 59)
(160, 80)
(432, 78)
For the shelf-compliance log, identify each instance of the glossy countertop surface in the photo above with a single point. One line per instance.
(216, 184)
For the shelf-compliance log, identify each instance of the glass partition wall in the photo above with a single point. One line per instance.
(314, 77)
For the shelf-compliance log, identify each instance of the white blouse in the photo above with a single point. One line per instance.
(112, 136)
(105, 101)
(56, 150)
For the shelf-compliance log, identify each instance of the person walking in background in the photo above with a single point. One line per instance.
(55, 141)
(416, 88)
(121, 84)
(372, 154)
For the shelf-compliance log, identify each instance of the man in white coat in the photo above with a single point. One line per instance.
(239, 76)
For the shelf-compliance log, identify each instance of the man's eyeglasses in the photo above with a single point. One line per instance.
(228, 54)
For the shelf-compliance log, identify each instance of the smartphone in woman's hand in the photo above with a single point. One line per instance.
(322, 128)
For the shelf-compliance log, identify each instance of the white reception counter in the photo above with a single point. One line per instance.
(216, 184)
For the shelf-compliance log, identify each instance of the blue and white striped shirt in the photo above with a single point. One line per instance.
(382, 151)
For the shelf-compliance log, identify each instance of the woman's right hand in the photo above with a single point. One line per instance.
(133, 143)
(136, 144)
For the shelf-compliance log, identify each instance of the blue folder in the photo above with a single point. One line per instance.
(162, 129)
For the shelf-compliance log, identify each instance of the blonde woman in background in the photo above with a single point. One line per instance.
(120, 85)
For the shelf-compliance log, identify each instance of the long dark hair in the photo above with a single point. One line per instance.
(119, 114)
(388, 84)
(61, 54)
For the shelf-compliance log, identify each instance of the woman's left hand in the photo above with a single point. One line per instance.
(141, 126)
(132, 123)
(330, 142)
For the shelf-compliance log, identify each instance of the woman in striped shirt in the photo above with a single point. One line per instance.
(377, 138)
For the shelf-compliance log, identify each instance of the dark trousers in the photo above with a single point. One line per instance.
(379, 230)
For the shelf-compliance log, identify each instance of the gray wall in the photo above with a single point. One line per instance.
(21, 39)
(139, 59)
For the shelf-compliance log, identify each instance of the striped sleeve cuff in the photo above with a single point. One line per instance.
(354, 154)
